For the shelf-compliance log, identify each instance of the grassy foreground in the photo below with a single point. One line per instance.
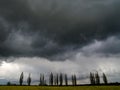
(59, 88)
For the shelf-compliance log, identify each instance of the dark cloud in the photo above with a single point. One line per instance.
(110, 46)
(52, 27)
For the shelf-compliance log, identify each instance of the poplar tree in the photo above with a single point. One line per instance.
(105, 78)
(92, 78)
(51, 79)
(61, 79)
(97, 78)
(42, 79)
(29, 80)
(66, 80)
(74, 80)
(21, 79)
(57, 79)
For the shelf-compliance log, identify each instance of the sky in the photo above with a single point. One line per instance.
(59, 36)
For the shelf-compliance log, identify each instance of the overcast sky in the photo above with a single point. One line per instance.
(68, 36)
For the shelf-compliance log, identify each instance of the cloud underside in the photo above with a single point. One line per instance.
(81, 62)
(50, 28)
(81, 66)
(69, 36)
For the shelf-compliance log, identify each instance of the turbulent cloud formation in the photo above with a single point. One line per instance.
(51, 27)
(39, 35)
(81, 66)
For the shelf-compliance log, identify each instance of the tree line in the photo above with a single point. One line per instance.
(95, 78)
(58, 79)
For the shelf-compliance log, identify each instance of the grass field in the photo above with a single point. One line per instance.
(59, 88)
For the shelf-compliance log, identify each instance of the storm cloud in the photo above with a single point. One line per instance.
(71, 36)
(46, 28)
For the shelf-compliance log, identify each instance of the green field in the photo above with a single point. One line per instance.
(59, 88)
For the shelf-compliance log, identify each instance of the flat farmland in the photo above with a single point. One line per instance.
(59, 88)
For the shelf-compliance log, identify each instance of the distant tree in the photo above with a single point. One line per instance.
(8, 83)
(57, 79)
(21, 79)
(29, 80)
(74, 80)
(61, 79)
(97, 78)
(66, 80)
(92, 78)
(51, 79)
(105, 78)
(42, 80)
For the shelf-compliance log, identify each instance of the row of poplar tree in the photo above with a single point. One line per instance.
(95, 78)
(59, 78)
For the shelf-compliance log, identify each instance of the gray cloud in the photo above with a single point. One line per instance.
(110, 46)
(51, 28)
(69, 36)
(79, 64)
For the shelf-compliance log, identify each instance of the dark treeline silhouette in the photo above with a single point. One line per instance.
(21, 79)
(29, 80)
(95, 79)
(56, 80)
(105, 79)
(51, 79)
(74, 80)
(66, 80)
(62, 79)
(42, 80)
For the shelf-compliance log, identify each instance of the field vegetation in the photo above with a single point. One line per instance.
(59, 88)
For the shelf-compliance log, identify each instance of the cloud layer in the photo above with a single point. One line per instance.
(69, 36)
(79, 62)
(47, 28)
